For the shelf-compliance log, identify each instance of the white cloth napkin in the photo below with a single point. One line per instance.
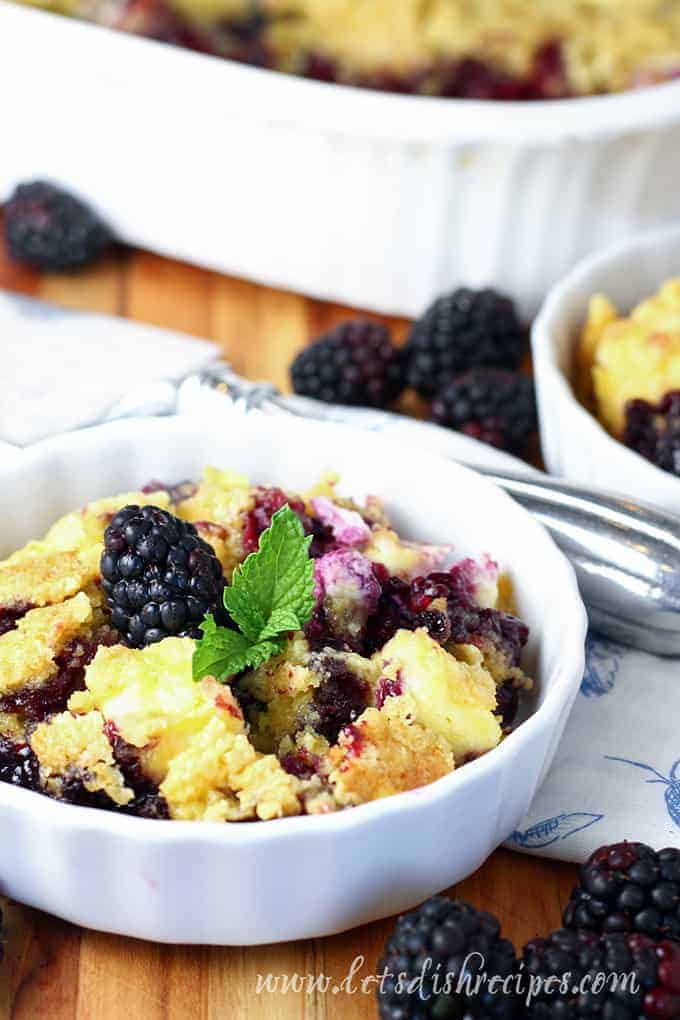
(617, 771)
(61, 369)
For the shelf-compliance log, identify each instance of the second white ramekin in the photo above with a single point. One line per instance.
(239, 884)
(375, 200)
(574, 443)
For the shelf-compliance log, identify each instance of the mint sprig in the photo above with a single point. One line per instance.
(272, 593)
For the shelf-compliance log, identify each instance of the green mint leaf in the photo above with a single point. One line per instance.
(271, 593)
(278, 577)
(263, 651)
(223, 653)
(280, 622)
(218, 650)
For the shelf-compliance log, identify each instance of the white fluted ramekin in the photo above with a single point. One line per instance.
(379, 201)
(308, 876)
(574, 443)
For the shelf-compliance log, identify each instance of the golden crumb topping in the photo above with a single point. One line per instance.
(27, 653)
(631, 357)
(284, 687)
(69, 744)
(402, 559)
(37, 576)
(66, 560)
(220, 777)
(386, 752)
(153, 701)
(82, 531)
(218, 510)
(454, 699)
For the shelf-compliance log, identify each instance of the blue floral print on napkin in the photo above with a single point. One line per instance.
(553, 830)
(603, 660)
(671, 782)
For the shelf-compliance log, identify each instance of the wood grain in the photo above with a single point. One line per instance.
(90, 976)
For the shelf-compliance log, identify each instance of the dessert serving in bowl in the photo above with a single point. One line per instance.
(336, 759)
(607, 365)
(352, 164)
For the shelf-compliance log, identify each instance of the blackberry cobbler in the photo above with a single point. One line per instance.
(629, 373)
(496, 49)
(136, 675)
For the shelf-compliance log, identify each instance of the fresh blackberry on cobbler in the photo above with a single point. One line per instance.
(159, 577)
(463, 330)
(49, 229)
(434, 941)
(617, 976)
(356, 363)
(628, 887)
(490, 404)
(653, 430)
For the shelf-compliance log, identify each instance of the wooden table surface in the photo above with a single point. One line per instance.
(89, 976)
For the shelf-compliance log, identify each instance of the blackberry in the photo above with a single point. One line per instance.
(404, 606)
(576, 975)
(489, 404)
(301, 763)
(356, 363)
(507, 703)
(177, 491)
(463, 330)
(10, 616)
(148, 802)
(446, 942)
(341, 696)
(18, 764)
(269, 499)
(49, 229)
(159, 577)
(653, 430)
(38, 702)
(628, 887)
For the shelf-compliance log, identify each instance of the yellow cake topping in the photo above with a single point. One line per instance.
(637, 357)
(37, 576)
(77, 742)
(386, 752)
(27, 653)
(220, 777)
(153, 701)
(218, 509)
(454, 699)
(82, 531)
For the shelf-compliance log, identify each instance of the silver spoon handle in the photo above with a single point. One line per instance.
(626, 556)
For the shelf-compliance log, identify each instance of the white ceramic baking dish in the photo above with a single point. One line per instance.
(379, 201)
(574, 443)
(308, 876)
